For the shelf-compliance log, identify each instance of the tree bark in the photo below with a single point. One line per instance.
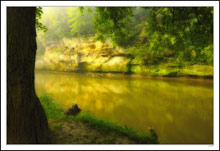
(26, 119)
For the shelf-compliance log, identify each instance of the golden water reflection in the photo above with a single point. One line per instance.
(179, 110)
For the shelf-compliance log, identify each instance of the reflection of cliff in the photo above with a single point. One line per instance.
(84, 55)
(172, 106)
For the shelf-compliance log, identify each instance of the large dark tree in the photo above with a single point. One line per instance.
(26, 119)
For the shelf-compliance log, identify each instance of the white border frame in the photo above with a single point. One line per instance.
(215, 4)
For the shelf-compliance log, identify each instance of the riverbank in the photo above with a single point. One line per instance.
(132, 76)
(164, 70)
(87, 129)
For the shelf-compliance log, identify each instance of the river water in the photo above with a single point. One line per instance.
(180, 110)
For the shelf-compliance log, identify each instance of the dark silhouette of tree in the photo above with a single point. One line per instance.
(26, 119)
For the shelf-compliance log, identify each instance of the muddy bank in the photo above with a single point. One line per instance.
(75, 132)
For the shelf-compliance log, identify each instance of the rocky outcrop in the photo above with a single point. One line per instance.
(88, 55)
(84, 55)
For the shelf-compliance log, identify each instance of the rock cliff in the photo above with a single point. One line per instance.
(83, 55)
(88, 55)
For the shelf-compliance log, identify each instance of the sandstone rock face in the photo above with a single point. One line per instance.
(88, 55)
(83, 55)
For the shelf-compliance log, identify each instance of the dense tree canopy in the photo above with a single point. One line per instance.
(186, 31)
(156, 34)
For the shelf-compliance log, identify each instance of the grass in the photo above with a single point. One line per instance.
(107, 127)
(52, 109)
(102, 131)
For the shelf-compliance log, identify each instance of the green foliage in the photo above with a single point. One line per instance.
(107, 127)
(80, 24)
(113, 17)
(52, 109)
(183, 31)
(56, 20)
(39, 25)
(206, 55)
(111, 22)
(154, 34)
(124, 25)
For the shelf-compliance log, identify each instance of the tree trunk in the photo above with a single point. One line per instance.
(26, 119)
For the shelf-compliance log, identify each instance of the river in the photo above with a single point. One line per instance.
(180, 109)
